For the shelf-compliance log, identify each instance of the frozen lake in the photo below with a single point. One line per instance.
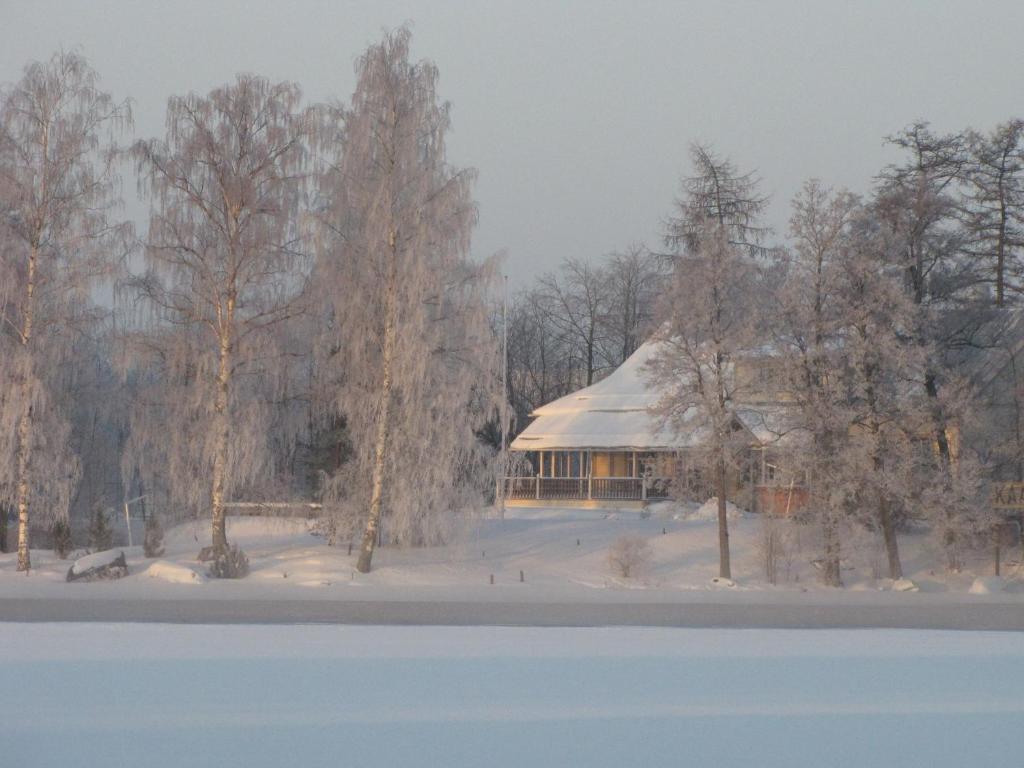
(256, 695)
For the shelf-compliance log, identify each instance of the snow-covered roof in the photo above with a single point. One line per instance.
(614, 414)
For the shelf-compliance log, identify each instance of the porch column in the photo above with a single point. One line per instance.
(579, 473)
(590, 474)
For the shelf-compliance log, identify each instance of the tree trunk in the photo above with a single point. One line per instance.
(222, 437)
(950, 539)
(830, 574)
(24, 462)
(1001, 250)
(25, 422)
(383, 422)
(892, 547)
(724, 569)
(886, 521)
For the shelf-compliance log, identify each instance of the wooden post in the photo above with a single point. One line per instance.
(590, 484)
(643, 488)
(538, 487)
(128, 524)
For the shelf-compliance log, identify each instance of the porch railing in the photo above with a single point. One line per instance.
(586, 488)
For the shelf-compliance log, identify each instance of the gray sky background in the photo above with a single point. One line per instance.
(578, 114)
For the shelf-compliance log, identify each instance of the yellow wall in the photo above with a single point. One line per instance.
(612, 464)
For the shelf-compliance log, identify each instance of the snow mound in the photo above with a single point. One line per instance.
(721, 581)
(173, 573)
(904, 585)
(709, 510)
(987, 586)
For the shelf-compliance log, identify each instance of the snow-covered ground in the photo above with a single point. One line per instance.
(561, 554)
(251, 696)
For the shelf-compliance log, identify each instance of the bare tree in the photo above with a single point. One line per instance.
(225, 260)
(58, 188)
(406, 334)
(540, 368)
(634, 279)
(576, 300)
(994, 207)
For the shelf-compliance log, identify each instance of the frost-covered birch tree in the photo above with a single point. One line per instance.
(811, 337)
(882, 370)
(406, 343)
(58, 190)
(709, 315)
(225, 266)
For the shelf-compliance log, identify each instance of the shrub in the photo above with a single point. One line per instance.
(62, 544)
(153, 539)
(229, 564)
(629, 556)
(101, 537)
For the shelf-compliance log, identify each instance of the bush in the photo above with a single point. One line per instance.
(230, 564)
(62, 544)
(101, 537)
(153, 539)
(629, 556)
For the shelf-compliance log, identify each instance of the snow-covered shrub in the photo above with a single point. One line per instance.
(230, 564)
(629, 556)
(62, 543)
(153, 540)
(101, 536)
(99, 566)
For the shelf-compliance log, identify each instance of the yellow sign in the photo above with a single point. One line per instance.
(1008, 496)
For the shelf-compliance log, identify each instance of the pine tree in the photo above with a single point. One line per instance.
(62, 544)
(101, 536)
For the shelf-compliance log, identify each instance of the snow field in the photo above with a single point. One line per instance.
(171, 695)
(562, 554)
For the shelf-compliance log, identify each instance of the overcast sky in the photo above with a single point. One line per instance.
(578, 114)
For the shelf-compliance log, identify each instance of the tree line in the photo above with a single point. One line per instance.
(303, 316)
(888, 327)
(302, 319)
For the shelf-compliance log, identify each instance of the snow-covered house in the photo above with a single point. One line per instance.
(602, 445)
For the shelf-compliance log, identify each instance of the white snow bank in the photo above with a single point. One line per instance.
(96, 560)
(904, 585)
(173, 573)
(987, 585)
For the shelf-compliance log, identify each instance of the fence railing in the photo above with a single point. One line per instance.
(587, 488)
